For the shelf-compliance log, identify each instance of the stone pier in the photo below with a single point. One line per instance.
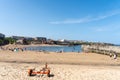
(101, 49)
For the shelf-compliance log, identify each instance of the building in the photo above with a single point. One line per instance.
(20, 41)
(2, 36)
(29, 38)
(17, 37)
(41, 40)
(62, 42)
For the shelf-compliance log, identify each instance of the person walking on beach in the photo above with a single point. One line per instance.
(115, 55)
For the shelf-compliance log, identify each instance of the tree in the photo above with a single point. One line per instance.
(25, 42)
(1, 42)
(9, 40)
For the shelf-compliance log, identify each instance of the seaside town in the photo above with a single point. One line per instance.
(97, 47)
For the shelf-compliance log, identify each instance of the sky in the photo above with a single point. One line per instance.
(87, 20)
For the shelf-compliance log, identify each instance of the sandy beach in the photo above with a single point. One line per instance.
(59, 40)
(63, 66)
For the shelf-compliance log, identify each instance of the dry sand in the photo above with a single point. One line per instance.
(63, 66)
(14, 71)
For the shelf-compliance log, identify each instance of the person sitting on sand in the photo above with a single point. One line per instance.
(110, 55)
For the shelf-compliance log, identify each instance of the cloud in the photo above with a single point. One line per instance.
(106, 16)
(71, 21)
(86, 19)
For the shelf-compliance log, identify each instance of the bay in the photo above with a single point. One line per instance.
(76, 48)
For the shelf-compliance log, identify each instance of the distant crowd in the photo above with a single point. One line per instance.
(12, 49)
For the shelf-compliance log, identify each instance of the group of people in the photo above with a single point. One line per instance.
(17, 49)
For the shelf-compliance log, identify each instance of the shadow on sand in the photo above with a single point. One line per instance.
(51, 75)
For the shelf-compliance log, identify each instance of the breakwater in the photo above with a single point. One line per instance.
(101, 49)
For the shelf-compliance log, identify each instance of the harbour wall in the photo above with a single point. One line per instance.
(101, 49)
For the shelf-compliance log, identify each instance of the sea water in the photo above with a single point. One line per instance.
(76, 48)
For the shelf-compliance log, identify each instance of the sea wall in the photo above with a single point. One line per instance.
(102, 49)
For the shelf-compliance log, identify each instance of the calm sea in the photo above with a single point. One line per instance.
(76, 48)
